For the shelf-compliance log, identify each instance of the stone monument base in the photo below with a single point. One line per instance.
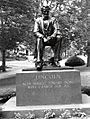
(10, 110)
(10, 105)
(52, 87)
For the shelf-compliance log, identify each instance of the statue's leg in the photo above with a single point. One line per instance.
(40, 48)
(57, 50)
(35, 52)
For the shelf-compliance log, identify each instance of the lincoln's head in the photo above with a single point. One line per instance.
(45, 8)
(45, 11)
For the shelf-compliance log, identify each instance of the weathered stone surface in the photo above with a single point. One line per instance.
(50, 87)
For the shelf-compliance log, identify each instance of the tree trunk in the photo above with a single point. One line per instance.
(3, 61)
(65, 53)
(88, 33)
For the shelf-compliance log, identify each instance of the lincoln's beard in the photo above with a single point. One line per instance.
(46, 17)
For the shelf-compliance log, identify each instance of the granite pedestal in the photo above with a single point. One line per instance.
(52, 87)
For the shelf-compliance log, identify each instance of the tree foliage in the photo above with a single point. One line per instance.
(71, 16)
(19, 15)
(16, 18)
(14, 15)
(17, 22)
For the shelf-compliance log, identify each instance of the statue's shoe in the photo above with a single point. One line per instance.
(39, 66)
(56, 64)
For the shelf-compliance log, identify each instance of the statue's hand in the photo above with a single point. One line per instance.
(45, 39)
(48, 38)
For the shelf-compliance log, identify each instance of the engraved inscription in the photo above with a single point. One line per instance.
(87, 77)
(46, 82)
(47, 76)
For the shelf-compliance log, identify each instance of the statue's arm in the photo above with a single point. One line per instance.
(36, 29)
(55, 28)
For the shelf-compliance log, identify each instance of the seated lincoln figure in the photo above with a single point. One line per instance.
(45, 30)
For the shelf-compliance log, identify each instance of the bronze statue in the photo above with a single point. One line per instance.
(45, 30)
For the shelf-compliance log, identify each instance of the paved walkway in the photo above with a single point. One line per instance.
(14, 67)
(7, 79)
(17, 66)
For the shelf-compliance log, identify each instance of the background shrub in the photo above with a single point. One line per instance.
(74, 61)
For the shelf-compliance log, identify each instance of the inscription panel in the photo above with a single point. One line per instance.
(46, 84)
(48, 88)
